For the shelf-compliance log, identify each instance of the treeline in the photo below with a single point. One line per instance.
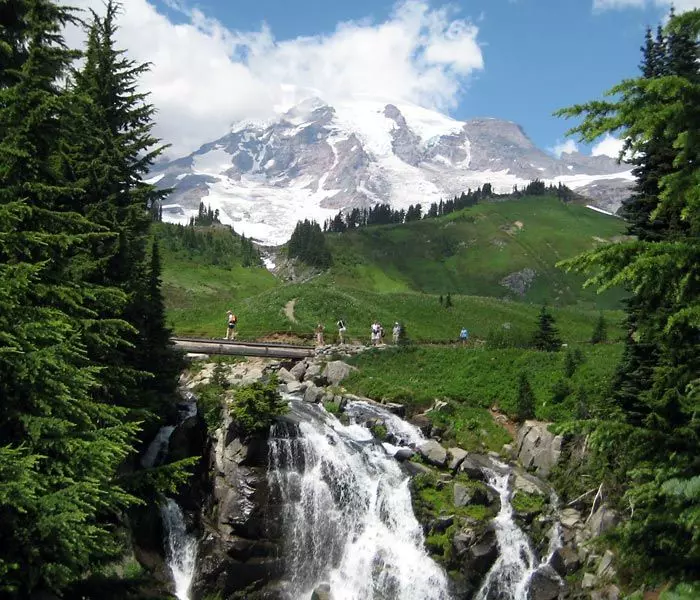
(206, 217)
(644, 437)
(85, 358)
(384, 214)
(220, 246)
(308, 244)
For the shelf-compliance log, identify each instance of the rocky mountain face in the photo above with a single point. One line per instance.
(315, 159)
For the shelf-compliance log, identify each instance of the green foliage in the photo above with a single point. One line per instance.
(682, 591)
(448, 301)
(561, 388)
(219, 246)
(523, 502)
(546, 336)
(570, 363)
(525, 402)
(255, 406)
(645, 436)
(600, 333)
(508, 337)
(308, 244)
(379, 430)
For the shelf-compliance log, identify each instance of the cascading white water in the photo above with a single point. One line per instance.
(510, 574)
(347, 514)
(181, 550)
(404, 432)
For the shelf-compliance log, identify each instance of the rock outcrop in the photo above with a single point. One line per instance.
(537, 448)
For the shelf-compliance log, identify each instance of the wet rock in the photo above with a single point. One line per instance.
(523, 482)
(322, 592)
(545, 584)
(433, 452)
(394, 407)
(403, 453)
(537, 448)
(423, 423)
(456, 456)
(482, 555)
(565, 561)
(414, 468)
(609, 592)
(336, 371)
(187, 439)
(473, 466)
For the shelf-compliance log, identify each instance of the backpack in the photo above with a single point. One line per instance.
(341, 324)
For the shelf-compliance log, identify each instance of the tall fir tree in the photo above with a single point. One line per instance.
(546, 336)
(114, 149)
(646, 436)
(60, 446)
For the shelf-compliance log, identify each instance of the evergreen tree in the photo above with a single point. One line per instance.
(646, 434)
(546, 337)
(60, 445)
(448, 301)
(525, 401)
(570, 363)
(600, 333)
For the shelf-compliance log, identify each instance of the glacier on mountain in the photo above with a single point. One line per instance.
(315, 159)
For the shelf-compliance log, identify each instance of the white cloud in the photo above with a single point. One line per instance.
(679, 5)
(608, 146)
(565, 147)
(205, 76)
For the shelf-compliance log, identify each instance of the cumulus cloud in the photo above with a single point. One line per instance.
(608, 146)
(679, 5)
(205, 76)
(565, 147)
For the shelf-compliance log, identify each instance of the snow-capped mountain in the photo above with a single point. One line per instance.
(314, 159)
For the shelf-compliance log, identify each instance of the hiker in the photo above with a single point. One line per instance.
(231, 329)
(396, 332)
(319, 334)
(375, 332)
(341, 331)
(464, 336)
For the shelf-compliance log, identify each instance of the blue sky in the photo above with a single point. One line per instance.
(511, 59)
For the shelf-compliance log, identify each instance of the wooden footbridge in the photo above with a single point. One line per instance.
(267, 349)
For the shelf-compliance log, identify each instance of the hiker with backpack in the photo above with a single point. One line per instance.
(464, 336)
(375, 332)
(319, 334)
(341, 331)
(396, 332)
(231, 329)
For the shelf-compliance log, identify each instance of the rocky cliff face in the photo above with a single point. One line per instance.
(316, 159)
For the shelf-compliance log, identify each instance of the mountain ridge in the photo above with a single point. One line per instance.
(315, 159)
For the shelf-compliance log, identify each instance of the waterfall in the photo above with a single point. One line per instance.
(403, 432)
(347, 514)
(181, 550)
(181, 547)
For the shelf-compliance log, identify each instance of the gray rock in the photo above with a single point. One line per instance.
(456, 456)
(313, 394)
(433, 452)
(336, 371)
(464, 495)
(285, 376)
(403, 453)
(570, 518)
(484, 553)
(527, 483)
(414, 468)
(322, 592)
(423, 423)
(603, 520)
(520, 281)
(605, 568)
(588, 582)
(473, 466)
(312, 372)
(545, 584)
(537, 448)
(565, 561)
(293, 387)
(394, 407)
(298, 370)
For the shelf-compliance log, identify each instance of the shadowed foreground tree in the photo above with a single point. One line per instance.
(645, 436)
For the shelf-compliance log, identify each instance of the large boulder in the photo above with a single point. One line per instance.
(463, 495)
(433, 453)
(285, 376)
(293, 387)
(456, 456)
(545, 584)
(537, 448)
(473, 466)
(602, 520)
(313, 372)
(322, 592)
(565, 561)
(336, 371)
(524, 482)
(313, 394)
(298, 370)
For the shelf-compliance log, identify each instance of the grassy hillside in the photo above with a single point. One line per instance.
(471, 251)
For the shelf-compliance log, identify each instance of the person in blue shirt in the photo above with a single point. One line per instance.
(464, 335)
